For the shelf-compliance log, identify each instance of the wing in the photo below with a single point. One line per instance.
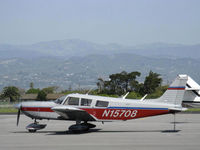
(73, 113)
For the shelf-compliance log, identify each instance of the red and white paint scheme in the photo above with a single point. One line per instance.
(84, 108)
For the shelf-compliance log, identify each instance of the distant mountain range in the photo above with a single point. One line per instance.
(78, 63)
(75, 47)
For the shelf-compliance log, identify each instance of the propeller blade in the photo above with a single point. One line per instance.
(18, 116)
(18, 106)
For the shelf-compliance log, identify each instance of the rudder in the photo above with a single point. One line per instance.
(175, 92)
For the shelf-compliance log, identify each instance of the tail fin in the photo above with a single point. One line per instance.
(175, 92)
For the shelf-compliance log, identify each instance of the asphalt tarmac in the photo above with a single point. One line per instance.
(154, 133)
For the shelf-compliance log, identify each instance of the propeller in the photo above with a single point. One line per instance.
(18, 116)
(18, 106)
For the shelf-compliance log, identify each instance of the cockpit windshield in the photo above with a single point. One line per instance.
(59, 100)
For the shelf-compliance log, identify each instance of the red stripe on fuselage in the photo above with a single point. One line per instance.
(41, 109)
(123, 114)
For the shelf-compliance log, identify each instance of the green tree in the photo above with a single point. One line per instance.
(152, 81)
(132, 82)
(50, 89)
(11, 92)
(116, 83)
(31, 85)
(119, 83)
(158, 92)
(134, 95)
(41, 96)
(33, 91)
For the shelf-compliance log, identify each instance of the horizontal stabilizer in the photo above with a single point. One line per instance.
(178, 109)
(191, 84)
(191, 89)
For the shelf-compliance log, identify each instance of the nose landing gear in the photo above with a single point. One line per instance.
(33, 127)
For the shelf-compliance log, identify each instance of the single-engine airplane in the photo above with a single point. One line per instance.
(84, 108)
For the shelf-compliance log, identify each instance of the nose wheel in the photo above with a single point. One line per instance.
(32, 130)
(33, 127)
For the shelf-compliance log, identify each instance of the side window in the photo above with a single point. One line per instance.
(72, 101)
(86, 102)
(102, 104)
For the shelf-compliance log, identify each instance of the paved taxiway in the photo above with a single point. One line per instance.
(148, 133)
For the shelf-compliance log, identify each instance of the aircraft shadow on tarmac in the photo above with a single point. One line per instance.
(58, 132)
(68, 132)
(97, 130)
(179, 122)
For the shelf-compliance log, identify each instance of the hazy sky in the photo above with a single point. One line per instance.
(127, 22)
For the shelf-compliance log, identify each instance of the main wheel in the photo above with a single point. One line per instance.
(77, 128)
(32, 131)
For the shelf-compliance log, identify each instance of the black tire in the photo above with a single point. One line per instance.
(32, 131)
(75, 131)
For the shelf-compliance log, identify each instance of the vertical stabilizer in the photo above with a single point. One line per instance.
(175, 92)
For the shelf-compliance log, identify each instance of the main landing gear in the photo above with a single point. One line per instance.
(81, 127)
(76, 128)
(33, 127)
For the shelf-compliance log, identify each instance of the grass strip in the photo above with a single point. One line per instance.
(193, 110)
(8, 110)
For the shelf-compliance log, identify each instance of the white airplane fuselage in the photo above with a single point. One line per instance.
(117, 108)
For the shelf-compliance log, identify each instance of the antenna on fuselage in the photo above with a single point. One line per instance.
(124, 97)
(143, 97)
(89, 91)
